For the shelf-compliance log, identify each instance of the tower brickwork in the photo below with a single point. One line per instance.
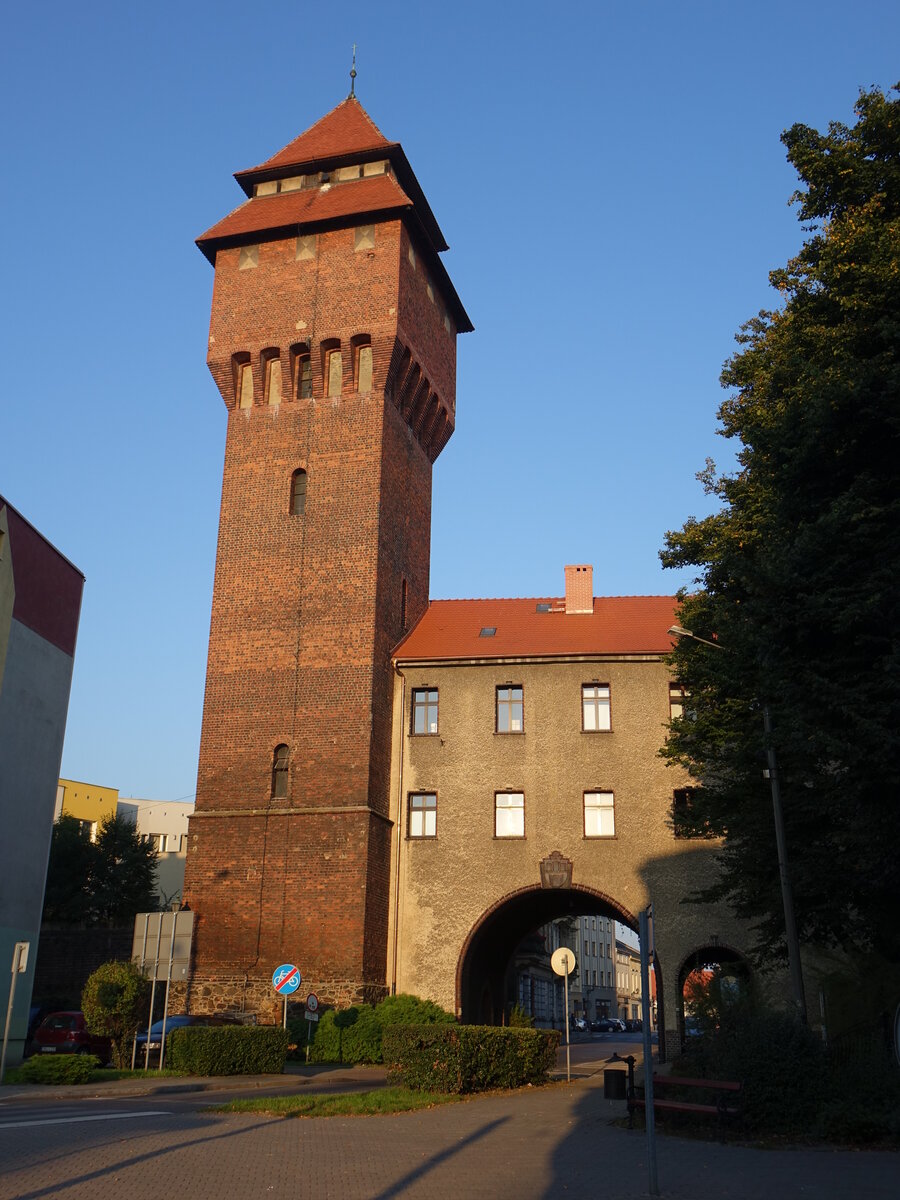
(332, 343)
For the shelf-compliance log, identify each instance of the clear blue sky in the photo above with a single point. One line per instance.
(611, 183)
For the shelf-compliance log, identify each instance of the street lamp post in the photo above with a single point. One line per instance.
(787, 897)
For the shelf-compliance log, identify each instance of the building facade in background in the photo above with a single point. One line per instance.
(164, 824)
(40, 604)
(89, 803)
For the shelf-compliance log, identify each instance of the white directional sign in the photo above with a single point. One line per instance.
(563, 961)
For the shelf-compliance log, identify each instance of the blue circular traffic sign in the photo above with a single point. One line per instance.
(287, 979)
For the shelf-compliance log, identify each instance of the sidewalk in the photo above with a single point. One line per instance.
(296, 1076)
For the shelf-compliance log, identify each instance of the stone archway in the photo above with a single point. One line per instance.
(705, 959)
(484, 958)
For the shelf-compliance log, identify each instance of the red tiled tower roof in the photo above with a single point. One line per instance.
(347, 129)
(346, 136)
(287, 210)
(539, 628)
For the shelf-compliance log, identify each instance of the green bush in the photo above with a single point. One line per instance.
(227, 1049)
(404, 1009)
(58, 1068)
(519, 1018)
(779, 1061)
(354, 1035)
(863, 1099)
(114, 1001)
(468, 1058)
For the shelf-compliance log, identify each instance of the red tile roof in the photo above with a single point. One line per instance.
(347, 129)
(308, 206)
(450, 629)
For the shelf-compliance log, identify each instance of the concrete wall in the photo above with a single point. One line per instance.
(40, 602)
(444, 886)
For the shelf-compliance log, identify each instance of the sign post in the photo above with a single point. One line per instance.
(19, 966)
(563, 963)
(645, 933)
(312, 1015)
(285, 981)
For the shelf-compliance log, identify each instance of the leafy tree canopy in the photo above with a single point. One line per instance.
(102, 882)
(114, 1002)
(799, 567)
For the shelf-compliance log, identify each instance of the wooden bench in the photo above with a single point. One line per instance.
(727, 1103)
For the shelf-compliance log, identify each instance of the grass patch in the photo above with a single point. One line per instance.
(354, 1104)
(15, 1075)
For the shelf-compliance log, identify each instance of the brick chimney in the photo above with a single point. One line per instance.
(580, 589)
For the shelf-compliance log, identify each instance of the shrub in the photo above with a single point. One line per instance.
(863, 1101)
(779, 1061)
(227, 1049)
(468, 1058)
(404, 1009)
(519, 1018)
(114, 1001)
(58, 1068)
(354, 1035)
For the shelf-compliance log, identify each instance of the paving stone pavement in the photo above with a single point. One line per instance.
(529, 1145)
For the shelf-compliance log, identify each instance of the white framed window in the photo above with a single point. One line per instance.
(595, 707)
(599, 814)
(510, 709)
(509, 814)
(422, 815)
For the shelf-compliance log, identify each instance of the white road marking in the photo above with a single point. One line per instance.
(113, 1116)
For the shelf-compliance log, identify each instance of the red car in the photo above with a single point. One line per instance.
(66, 1033)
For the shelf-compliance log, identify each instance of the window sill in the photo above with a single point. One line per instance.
(599, 837)
(594, 732)
(509, 733)
(424, 735)
(428, 837)
(509, 837)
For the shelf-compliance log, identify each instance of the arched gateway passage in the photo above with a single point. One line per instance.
(481, 974)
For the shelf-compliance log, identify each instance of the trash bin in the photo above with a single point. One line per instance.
(614, 1085)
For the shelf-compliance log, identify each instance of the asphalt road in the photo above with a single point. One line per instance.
(533, 1144)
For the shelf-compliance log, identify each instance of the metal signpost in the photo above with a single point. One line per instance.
(161, 948)
(312, 1015)
(19, 967)
(645, 931)
(285, 980)
(563, 963)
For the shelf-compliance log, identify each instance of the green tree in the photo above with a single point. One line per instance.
(114, 1002)
(799, 568)
(124, 879)
(67, 898)
(102, 882)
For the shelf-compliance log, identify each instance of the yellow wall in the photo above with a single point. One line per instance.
(86, 801)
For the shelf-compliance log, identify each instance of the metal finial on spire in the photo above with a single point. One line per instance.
(353, 74)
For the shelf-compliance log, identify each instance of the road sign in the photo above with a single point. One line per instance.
(563, 961)
(287, 979)
(311, 1016)
(312, 1002)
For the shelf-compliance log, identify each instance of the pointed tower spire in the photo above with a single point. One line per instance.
(352, 95)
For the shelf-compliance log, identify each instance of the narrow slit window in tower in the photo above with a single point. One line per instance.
(298, 493)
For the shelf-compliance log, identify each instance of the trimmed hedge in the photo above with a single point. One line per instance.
(227, 1049)
(353, 1035)
(58, 1068)
(468, 1058)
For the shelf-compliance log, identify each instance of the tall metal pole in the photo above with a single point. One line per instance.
(19, 962)
(787, 896)
(649, 1112)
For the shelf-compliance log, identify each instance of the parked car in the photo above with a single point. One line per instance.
(634, 1025)
(579, 1024)
(147, 1050)
(604, 1025)
(66, 1033)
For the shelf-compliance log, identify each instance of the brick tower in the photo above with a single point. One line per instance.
(333, 344)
